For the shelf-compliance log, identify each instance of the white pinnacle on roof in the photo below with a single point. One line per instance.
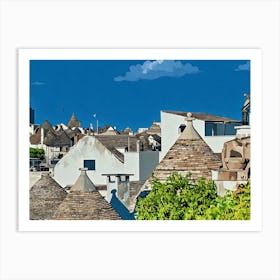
(189, 132)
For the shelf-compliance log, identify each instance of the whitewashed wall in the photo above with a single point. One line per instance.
(131, 165)
(148, 162)
(170, 133)
(170, 130)
(67, 171)
(216, 143)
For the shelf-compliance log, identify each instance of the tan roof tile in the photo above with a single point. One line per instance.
(84, 202)
(191, 154)
(45, 196)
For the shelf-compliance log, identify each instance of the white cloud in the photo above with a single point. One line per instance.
(151, 70)
(37, 83)
(243, 67)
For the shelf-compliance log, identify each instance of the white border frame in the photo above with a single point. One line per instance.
(254, 55)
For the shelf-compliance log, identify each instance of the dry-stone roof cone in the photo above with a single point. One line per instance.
(44, 198)
(73, 122)
(84, 202)
(190, 153)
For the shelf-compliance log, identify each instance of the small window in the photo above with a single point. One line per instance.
(229, 129)
(182, 128)
(54, 161)
(89, 164)
(214, 129)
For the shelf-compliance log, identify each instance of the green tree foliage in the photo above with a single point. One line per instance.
(180, 198)
(233, 206)
(36, 153)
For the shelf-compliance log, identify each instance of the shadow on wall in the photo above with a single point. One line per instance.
(120, 208)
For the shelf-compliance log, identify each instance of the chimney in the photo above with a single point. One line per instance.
(123, 188)
(42, 136)
(119, 183)
(111, 185)
(138, 146)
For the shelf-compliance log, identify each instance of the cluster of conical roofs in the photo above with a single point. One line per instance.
(49, 201)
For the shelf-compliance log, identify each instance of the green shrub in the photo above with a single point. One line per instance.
(180, 198)
(36, 153)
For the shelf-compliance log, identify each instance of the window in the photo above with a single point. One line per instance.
(182, 128)
(54, 161)
(220, 129)
(89, 164)
(229, 129)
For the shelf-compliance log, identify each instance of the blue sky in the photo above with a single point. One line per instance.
(131, 93)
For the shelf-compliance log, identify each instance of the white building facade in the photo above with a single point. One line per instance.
(214, 130)
(90, 153)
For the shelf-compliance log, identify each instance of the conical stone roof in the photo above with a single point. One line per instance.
(47, 126)
(190, 153)
(84, 202)
(83, 182)
(44, 198)
(52, 137)
(74, 122)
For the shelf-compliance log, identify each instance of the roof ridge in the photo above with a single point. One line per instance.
(203, 116)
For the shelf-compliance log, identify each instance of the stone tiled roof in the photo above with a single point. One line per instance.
(155, 129)
(44, 197)
(84, 202)
(85, 205)
(144, 138)
(72, 132)
(52, 138)
(112, 142)
(108, 130)
(203, 116)
(191, 154)
(83, 182)
(134, 189)
(74, 122)
(126, 131)
(57, 139)
(47, 126)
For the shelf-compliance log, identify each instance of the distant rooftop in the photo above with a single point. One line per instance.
(113, 142)
(73, 122)
(204, 116)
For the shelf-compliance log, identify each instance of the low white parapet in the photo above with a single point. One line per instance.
(243, 131)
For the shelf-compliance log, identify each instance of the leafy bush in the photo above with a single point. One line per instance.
(180, 198)
(36, 153)
(233, 206)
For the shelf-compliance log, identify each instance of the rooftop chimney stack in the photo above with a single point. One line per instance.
(138, 146)
(42, 136)
(120, 183)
